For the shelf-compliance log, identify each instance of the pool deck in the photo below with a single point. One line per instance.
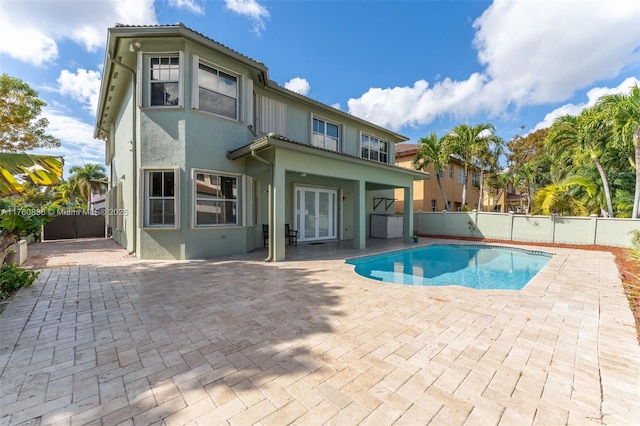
(102, 338)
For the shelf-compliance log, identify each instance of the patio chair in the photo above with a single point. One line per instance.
(290, 234)
(265, 234)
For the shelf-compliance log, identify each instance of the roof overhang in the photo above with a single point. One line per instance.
(280, 142)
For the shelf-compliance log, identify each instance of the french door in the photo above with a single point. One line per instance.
(316, 213)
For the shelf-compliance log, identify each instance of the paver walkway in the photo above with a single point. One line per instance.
(102, 338)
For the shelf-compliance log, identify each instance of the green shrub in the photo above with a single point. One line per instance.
(12, 278)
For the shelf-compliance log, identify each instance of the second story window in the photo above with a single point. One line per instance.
(165, 80)
(475, 179)
(217, 91)
(325, 135)
(374, 149)
(460, 175)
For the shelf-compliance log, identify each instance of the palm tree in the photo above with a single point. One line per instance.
(90, 177)
(465, 142)
(487, 160)
(625, 110)
(67, 192)
(586, 134)
(567, 197)
(430, 152)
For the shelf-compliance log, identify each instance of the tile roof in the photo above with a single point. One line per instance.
(285, 139)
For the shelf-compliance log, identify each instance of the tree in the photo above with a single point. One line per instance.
(567, 197)
(430, 152)
(625, 110)
(89, 177)
(21, 127)
(583, 135)
(487, 160)
(66, 192)
(465, 142)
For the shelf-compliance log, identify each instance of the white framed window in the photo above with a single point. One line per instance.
(374, 149)
(164, 81)
(218, 91)
(215, 199)
(441, 172)
(434, 205)
(460, 175)
(161, 201)
(325, 134)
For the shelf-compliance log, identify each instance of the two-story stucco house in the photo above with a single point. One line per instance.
(204, 149)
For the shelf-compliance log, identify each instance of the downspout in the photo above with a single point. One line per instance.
(270, 220)
(133, 148)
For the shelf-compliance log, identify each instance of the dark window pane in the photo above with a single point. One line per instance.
(169, 213)
(155, 184)
(332, 130)
(228, 212)
(168, 184)
(155, 212)
(227, 106)
(207, 212)
(208, 100)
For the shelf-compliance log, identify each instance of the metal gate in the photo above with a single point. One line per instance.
(65, 227)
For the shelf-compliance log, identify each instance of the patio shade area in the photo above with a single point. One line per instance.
(101, 337)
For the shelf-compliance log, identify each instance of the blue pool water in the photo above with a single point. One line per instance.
(474, 266)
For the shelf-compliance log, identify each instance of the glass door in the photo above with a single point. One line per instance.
(316, 213)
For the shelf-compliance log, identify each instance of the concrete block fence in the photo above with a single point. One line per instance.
(592, 230)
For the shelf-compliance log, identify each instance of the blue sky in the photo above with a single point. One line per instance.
(415, 67)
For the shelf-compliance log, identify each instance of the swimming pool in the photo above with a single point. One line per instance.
(469, 265)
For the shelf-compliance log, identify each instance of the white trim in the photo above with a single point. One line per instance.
(240, 217)
(144, 212)
(146, 70)
(332, 217)
(326, 121)
(370, 136)
(240, 81)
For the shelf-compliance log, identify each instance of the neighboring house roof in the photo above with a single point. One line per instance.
(139, 32)
(276, 140)
(403, 149)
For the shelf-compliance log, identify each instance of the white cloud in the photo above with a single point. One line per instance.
(534, 53)
(76, 137)
(190, 5)
(543, 51)
(298, 85)
(251, 8)
(592, 97)
(83, 86)
(40, 28)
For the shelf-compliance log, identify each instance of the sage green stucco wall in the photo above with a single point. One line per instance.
(185, 139)
(123, 172)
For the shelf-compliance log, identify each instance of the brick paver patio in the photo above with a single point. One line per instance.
(102, 338)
